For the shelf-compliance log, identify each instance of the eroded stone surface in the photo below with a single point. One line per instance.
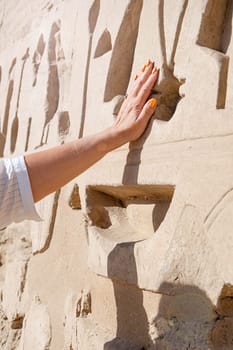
(76, 308)
(36, 332)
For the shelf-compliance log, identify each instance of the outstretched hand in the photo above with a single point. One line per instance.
(51, 169)
(136, 109)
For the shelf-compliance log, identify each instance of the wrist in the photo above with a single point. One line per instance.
(110, 140)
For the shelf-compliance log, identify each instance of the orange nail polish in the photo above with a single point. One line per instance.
(136, 76)
(143, 68)
(148, 62)
(152, 102)
(154, 70)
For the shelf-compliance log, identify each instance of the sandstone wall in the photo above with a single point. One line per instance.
(137, 252)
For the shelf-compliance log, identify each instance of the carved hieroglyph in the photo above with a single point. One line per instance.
(137, 252)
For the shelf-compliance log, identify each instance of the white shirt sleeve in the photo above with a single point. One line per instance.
(16, 201)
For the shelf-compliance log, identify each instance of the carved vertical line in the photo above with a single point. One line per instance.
(162, 31)
(13, 63)
(37, 56)
(123, 52)
(52, 94)
(177, 35)
(84, 102)
(93, 17)
(167, 91)
(47, 134)
(10, 89)
(52, 222)
(15, 123)
(222, 83)
(28, 133)
(6, 117)
(227, 31)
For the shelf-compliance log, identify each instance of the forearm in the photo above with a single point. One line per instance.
(51, 169)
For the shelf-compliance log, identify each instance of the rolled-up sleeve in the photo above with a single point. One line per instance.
(16, 201)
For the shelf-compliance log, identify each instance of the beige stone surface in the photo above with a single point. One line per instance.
(137, 252)
(36, 332)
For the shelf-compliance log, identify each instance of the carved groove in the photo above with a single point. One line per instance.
(167, 91)
(37, 56)
(222, 83)
(63, 124)
(123, 52)
(212, 26)
(52, 95)
(17, 323)
(129, 212)
(168, 95)
(215, 33)
(6, 118)
(10, 89)
(15, 123)
(225, 301)
(51, 224)
(13, 63)
(74, 200)
(92, 20)
(83, 308)
(28, 133)
(104, 44)
(93, 15)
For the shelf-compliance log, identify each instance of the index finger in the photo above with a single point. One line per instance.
(145, 90)
(140, 80)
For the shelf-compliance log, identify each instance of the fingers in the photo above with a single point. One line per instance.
(147, 111)
(139, 94)
(139, 79)
(139, 82)
(144, 83)
(145, 90)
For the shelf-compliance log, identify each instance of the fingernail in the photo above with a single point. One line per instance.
(154, 70)
(152, 102)
(143, 68)
(148, 62)
(136, 76)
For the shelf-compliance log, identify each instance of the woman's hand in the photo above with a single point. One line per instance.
(50, 169)
(136, 111)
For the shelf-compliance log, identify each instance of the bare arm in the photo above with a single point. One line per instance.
(51, 169)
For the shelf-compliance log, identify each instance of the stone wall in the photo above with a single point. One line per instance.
(137, 252)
